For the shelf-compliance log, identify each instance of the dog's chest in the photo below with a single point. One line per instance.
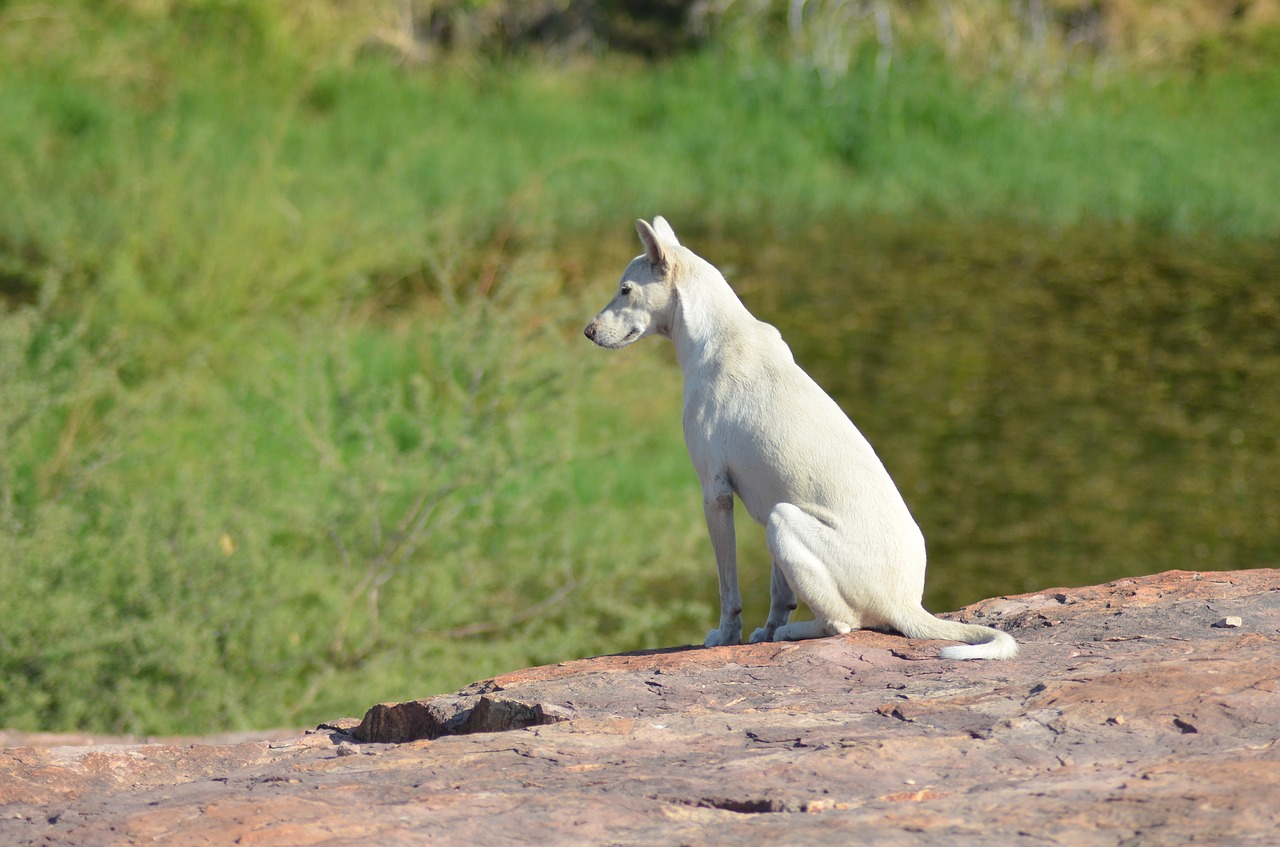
(724, 420)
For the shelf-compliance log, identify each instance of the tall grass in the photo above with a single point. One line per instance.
(340, 508)
(294, 410)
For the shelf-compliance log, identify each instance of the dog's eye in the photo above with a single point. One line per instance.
(625, 290)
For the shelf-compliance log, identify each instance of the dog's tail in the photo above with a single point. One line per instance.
(981, 642)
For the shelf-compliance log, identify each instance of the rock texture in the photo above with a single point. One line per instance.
(1134, 716)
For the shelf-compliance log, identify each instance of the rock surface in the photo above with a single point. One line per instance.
(1128, 719)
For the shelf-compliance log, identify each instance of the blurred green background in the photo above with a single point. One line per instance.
(296, 415)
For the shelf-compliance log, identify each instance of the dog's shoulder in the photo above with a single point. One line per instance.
(756, 351)
(768, 345)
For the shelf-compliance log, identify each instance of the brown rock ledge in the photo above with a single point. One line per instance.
(1129, 718)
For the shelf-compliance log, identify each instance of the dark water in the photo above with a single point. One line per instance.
(1058, 408)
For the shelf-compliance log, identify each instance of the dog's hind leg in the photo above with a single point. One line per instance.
(782, 602)
(795, 539)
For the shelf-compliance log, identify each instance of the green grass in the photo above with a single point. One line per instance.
(295, 414)
(333, 511)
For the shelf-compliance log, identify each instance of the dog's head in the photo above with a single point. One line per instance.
(645, 301)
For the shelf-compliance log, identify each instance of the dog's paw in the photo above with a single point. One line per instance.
(723, 636)
(764, 633)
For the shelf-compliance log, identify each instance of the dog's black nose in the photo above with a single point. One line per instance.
(590, 331)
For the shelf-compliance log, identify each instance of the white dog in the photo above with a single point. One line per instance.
(758, 426)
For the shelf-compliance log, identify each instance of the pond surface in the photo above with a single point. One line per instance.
(1058, 408)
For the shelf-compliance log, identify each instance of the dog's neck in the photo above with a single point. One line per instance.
(706, 313)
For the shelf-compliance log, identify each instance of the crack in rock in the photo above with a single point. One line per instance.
(738, 805)
(746, 806)
(417, 720)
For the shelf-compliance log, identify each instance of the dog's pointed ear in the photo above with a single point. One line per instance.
(655, 247)
(664, 229)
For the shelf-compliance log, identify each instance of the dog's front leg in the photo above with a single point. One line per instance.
(782, 602)
(717, 503)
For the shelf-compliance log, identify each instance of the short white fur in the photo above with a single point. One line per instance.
(759, 428)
